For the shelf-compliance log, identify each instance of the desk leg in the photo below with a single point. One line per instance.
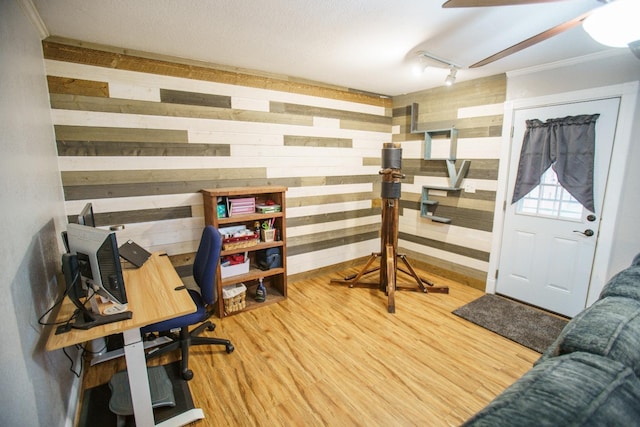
(138, 378)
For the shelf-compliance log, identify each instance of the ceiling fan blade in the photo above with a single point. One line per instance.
(533, 40)
(485, 3)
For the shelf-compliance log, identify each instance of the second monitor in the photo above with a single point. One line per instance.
(99, 262)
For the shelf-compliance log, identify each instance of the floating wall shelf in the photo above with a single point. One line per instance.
(428, 207)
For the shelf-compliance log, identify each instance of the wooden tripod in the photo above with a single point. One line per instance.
(388, 256)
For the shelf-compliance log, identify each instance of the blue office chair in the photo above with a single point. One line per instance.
(205, 266)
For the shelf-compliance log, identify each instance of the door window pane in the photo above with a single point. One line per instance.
(550, 199)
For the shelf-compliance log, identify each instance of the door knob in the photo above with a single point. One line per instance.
(588, 232)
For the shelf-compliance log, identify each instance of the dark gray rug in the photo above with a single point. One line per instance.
(528, 326)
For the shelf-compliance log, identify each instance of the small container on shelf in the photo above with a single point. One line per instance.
(261, 291)
(267, 259)
(240, 242)
(268, 235)
(241, 206)
(267, 208)
(221, 210)
(238, 237)
(234, 297)
(268, 231)
(229, 266)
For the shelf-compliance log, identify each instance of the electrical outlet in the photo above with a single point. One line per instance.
(469, 187)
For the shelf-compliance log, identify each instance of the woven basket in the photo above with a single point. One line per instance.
(234, 297)
(241, 242)
(235, 303)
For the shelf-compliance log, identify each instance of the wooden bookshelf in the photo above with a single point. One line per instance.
(274, 279)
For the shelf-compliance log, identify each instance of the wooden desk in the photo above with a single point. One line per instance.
(152, 297)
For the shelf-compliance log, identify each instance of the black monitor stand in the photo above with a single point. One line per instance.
(84, 318)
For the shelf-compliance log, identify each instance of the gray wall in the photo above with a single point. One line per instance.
(36, 385)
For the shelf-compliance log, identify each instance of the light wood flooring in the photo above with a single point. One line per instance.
(332, 356)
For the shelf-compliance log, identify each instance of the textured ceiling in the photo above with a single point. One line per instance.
(368, 45)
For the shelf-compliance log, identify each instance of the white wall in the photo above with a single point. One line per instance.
(627, 235)
(36, 385)
(611, 67)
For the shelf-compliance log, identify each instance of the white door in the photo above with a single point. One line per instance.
(549, 239)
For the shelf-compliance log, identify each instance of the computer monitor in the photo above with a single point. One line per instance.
(98, 261)
(84, 317)
(86, 217)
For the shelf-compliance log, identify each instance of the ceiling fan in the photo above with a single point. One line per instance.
(634, 46)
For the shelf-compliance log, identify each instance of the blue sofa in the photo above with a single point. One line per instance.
(590, 375)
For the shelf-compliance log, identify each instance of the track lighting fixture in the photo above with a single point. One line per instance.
(426, 59)
(451, 78)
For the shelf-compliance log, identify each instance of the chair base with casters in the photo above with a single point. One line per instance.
(183, 340)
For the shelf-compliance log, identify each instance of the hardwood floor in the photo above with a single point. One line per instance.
(331, 355)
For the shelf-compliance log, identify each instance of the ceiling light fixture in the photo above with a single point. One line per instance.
(451, 78)
(425, 59)
(615, 24)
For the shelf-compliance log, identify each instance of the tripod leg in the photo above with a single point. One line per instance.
(391, 279)
(422, 281)
(413, 273)
(354, 280)
(363, 273)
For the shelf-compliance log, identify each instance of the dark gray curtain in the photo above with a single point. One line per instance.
(568, 146)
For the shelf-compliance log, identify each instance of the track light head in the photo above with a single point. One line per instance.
(451, 78)
(426, 59)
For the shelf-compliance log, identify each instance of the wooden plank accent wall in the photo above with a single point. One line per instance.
(139, 136)
(115, 58)
(460, 249)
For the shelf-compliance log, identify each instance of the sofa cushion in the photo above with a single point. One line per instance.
(577, 389)
(626, 283)
(610, 328)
